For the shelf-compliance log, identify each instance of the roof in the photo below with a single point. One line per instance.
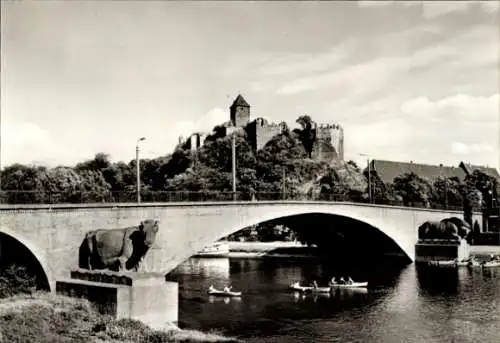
(389, 170)
(240, 101)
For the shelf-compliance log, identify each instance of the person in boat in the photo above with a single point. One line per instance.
(341, 281)
(494, 258)
(333, 281)
(315, 284)
(227, 289)
(350, 281)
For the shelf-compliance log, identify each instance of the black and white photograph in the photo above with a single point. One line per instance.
(249, 171)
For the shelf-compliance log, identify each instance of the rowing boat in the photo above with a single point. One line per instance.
(352, 285)
(297, 287)
(474, 263)
(491, 264)
(216, 292)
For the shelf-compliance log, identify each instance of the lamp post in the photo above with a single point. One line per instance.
(233, 155)
(445, 180)
(369, 177)
(138, 170)
(283, 178)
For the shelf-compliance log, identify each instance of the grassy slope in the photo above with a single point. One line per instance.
(48, 318)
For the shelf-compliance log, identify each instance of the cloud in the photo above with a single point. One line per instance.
(184, 129)
(443, 130)
(29, 143)
(21, 139)
(460, 148)
(438, 8)
(435, 9)
(382, 3)
(470, 51)
(371, 73)
(491, 5)
(294, 64)
(460, 107)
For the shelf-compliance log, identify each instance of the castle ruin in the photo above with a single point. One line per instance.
(329, 137)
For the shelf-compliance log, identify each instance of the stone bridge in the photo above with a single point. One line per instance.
(53, 233)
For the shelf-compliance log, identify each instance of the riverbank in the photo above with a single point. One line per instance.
(297, 250)
(45, 317)
(271, 249)
(484, 250)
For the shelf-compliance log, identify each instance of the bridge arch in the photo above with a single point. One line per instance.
(36, 253)
(404, 240)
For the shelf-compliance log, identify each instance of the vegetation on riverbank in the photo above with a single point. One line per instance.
(48, 318)
(30, 316)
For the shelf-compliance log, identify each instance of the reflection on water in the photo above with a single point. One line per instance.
(226, 300)
(409, 304)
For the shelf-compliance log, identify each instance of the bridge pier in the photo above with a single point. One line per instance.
(429, 250)
(146, 297)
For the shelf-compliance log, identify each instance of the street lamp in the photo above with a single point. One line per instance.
(445, 179)
(233, 163)
(138, 171)
(369, 177)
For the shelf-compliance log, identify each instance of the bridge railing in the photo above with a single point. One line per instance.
(79, 197)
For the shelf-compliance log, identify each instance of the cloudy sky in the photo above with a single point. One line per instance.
(408, 81)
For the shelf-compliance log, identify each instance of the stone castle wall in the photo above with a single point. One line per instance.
(327, 136)
(240, 116)
(260, 132)
(194, 142)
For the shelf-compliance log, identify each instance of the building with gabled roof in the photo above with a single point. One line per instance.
(389, 170)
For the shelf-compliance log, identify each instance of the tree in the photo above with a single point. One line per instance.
(448, 192)
(62, 185)
(283, 156)
(99, 162)
(486, 185)
(153, 174)
(382, 193)
(23, 183)
(178, 163)
(308, 133)
(413, 189)
(118, 176)
(332, 187)
(354, 165)
(93, 186)
(217, 154)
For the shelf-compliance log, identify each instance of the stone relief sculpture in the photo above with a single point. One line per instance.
(452, 228)
(117, 249)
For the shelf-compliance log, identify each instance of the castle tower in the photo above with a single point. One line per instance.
(240, 112)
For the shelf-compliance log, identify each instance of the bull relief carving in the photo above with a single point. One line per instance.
(118, 250)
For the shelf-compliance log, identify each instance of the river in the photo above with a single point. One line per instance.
(403, 304)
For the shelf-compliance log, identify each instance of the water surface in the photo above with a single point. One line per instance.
(406, 304)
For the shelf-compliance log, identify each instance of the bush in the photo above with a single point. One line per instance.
(14, 280)
(49, 318)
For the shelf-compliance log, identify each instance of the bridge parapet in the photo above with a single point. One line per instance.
(33, 197)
